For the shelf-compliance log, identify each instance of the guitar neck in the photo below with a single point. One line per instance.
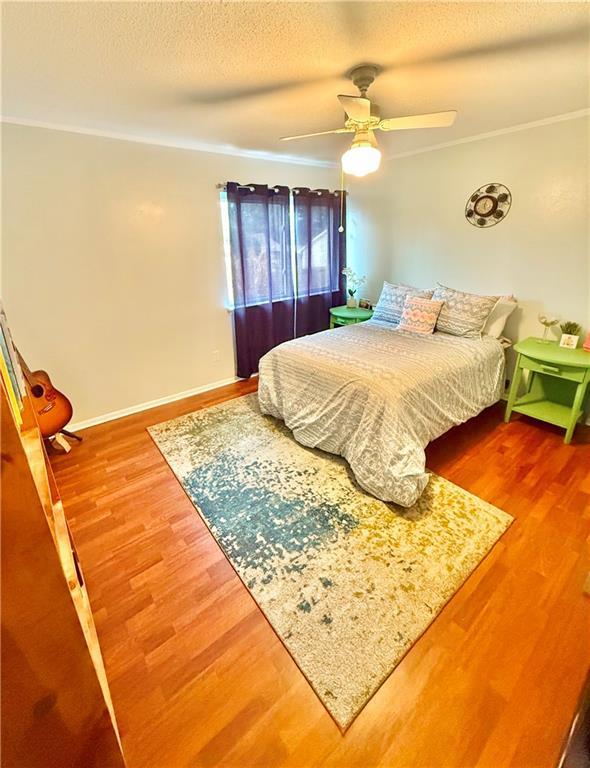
(25, 369)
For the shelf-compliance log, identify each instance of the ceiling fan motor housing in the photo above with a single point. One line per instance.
(363, 75)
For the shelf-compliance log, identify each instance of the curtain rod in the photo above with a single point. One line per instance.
(341, 192)
(222, 185)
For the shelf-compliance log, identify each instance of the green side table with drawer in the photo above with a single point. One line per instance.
(349, 315)
(556, 383)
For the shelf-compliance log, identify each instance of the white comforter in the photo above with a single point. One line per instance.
(377, 396)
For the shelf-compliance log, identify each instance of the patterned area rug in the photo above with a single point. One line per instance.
(348, 582)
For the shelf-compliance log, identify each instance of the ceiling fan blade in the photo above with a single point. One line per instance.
(573, 34)
(432, 120)
(356, 107)
(237, 94)
(318, 133)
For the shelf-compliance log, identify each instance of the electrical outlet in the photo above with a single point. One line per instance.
(215, 355)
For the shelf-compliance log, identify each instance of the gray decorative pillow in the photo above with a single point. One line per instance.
(391, 302)
(462, 314)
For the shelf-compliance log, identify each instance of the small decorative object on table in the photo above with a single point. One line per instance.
(548, 321)
(570, 334)
(365, 304)
(586, 344)
(353, 283)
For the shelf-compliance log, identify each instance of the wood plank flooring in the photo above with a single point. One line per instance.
(199, 678)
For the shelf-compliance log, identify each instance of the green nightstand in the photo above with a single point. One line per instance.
(556, 383)
(349, 315)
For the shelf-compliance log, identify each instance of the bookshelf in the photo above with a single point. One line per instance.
(56, 703)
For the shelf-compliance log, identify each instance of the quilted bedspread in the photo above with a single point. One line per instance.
(377, 396)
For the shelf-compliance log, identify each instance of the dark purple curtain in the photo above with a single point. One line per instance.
(260, 245)
(320, 257)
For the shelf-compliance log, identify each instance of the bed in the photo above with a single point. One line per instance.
(377, 395)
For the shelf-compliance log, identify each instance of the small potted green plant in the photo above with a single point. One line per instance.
(570, 334)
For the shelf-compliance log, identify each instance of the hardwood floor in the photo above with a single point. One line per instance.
(199, 678)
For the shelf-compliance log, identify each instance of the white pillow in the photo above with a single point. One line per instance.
(497, 318)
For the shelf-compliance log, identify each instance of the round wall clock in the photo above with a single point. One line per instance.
(488, 205)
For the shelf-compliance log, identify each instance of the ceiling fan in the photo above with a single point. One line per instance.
(363, 119)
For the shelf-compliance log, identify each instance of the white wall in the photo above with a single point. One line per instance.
(113, 269)
(540, 252)
(369, 236)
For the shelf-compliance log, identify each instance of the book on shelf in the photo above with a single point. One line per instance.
(15, 403)
(6, 339)
(10, 370)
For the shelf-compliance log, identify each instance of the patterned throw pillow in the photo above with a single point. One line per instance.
(463, 314)
(391, 302)
(419, 315)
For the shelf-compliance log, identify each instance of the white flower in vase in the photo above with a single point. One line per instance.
(353, 283)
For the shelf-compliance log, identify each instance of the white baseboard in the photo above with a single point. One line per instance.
(79, 425)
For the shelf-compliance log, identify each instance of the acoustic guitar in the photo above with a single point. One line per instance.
(52, 407)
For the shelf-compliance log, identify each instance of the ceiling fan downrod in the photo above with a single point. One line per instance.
(362, 76)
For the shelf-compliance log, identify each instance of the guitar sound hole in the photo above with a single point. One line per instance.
(37, 390)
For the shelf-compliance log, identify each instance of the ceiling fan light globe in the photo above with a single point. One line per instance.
(361, 160)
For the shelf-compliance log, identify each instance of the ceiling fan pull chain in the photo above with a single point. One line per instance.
(341, 227)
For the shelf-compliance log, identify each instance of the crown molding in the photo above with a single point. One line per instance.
(500, 132)
(187, 144)
(277, 157)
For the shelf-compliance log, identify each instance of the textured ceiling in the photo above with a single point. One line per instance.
(207, 71)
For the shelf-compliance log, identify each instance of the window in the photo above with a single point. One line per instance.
(298, 244)
(257, 244)
(312, 227)
(284, 257)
